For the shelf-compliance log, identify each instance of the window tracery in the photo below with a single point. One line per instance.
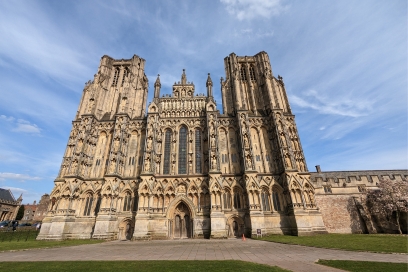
(182, 159)
(167, 149)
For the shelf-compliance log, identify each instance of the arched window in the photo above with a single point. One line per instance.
(126, 202)
(125, 74)
(88, 204)
(98, 204)
(115, 77)
(265, 200)
(167, 147)
(251, 72)
(243, 73)
(227, 199)
(237, 199)
(198, 168)
(276, 202)
(182, 159)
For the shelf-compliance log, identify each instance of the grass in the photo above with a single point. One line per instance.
(14, 245)
(354, 242)
(145, 266)
(361, 266)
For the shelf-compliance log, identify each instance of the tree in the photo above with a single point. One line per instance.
(390, 198)
(20, 213)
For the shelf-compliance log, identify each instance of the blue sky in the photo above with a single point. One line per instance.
(344, 64)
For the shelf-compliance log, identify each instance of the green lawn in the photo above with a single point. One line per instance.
(18, 245)
(360, 266)
(196, 266)
(354, 242)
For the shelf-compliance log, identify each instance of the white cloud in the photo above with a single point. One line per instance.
(343, 106)
(250, 9)
(22, 125)
(18, 177)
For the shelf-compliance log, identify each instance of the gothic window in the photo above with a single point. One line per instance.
(276, 203)
(126, 202)
(251, 72)
(125, 74)
(98, 205)
(135, 201)
(167, 142)
(258, 157)
(227, 199)
(88, 204)
(115, 77)
(267, 157)
(243, 73)
(265, 200)
(198, 151)
(237, 199)
(182, 159)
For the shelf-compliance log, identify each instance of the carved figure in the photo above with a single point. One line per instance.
(213, 162)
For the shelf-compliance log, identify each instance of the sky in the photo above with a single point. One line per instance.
(344, 64)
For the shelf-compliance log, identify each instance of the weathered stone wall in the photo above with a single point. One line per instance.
(340, 214)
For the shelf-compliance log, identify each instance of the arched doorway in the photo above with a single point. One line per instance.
(181, 225)
(235, 226)
(125, 230)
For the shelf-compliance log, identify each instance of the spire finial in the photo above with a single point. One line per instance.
(184, 77)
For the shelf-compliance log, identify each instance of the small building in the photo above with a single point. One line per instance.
(8, 205)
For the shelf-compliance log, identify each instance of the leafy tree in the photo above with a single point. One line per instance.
(390, 198)
(20, 213)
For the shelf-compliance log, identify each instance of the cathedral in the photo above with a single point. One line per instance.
(181, 169)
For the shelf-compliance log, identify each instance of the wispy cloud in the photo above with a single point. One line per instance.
(250, 9)
(21, 125)
(344, 106)
(17, 177)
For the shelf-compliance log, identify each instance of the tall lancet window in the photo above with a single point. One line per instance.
(116, 77)
(167, 147)
(125, 74)
(198, 151)
(182, 155)
(252, 72)
(243, 73)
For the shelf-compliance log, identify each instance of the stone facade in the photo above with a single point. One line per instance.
(180, 169)
(8, 205)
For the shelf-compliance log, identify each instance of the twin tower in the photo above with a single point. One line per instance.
(180, 169)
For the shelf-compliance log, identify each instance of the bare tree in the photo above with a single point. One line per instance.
(390, 197)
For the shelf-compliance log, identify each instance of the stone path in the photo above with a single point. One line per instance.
(291, 257)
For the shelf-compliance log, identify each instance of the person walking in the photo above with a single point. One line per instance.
(38, 227)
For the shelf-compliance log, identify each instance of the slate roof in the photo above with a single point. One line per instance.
(5, 194)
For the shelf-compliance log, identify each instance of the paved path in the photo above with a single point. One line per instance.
(292, 257)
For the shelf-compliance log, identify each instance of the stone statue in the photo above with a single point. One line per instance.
(213, 141)
(213, 162)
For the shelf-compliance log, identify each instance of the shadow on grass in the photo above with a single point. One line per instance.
(361, 266)
(145, 266)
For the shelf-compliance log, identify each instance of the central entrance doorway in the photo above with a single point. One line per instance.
(182, 223)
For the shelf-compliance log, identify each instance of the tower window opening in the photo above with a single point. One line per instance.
(115, 78)
(243, 73)
(252, 73)
(125, 74)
